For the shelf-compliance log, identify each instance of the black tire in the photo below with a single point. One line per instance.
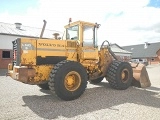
(68, 80)
(96, 81)
(44, 86)
(120, 75)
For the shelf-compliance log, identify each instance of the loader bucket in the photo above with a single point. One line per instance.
(140, 76)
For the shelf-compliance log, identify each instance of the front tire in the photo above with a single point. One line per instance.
(120, 75)
(68, 80)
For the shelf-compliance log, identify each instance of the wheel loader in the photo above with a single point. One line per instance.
(66, 65)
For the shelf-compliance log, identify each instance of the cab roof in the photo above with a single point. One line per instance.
(78, 23)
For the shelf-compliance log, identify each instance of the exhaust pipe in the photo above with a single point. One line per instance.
(44, 25)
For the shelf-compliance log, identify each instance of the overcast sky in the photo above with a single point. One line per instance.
(125, 22)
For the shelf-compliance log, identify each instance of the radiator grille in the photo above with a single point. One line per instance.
(71, 44)
(16, 51)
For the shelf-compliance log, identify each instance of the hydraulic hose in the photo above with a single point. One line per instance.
(109, 48)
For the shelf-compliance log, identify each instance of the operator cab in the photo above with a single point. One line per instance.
(83, 32)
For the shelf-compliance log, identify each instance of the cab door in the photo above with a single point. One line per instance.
(72, 37)
(88, 49)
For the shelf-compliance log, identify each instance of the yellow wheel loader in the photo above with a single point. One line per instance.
(65, 65)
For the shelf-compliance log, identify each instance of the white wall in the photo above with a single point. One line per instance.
(6, 41)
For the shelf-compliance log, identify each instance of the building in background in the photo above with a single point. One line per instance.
(121, 53)
(148, 53)
(158, 54)
(9, 32)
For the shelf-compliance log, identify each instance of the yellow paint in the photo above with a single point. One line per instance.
(88, 54)
(72, 81)
(93, 60)
(42, 72)
(47, 47)
(28, 56)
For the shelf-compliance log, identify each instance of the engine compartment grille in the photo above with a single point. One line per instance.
(71, 44)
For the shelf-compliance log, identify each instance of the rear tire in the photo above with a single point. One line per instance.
(68, 80)
(44, 86)
(96, 81)
(120, 75)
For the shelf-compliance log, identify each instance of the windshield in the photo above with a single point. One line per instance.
(88, 35)
(72, 33)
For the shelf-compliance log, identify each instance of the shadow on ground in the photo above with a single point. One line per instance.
(49, 106)
(3, 72)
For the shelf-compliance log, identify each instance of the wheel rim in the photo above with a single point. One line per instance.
(124, 75)
(72, 81)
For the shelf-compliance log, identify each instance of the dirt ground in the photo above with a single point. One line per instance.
(99, 102)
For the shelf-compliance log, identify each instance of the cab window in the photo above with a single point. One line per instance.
(88, 35)
(72, 33)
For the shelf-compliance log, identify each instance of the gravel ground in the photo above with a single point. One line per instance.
(99, 102)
